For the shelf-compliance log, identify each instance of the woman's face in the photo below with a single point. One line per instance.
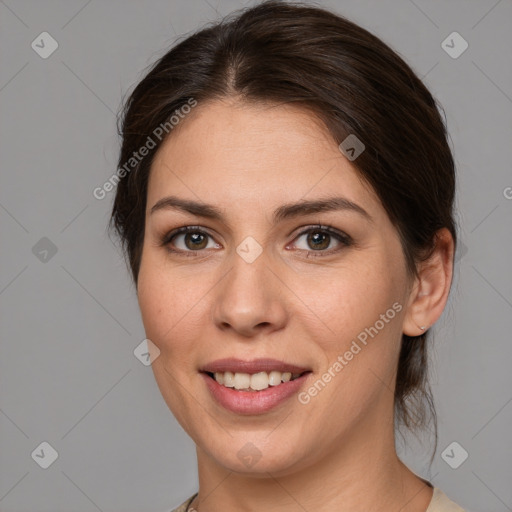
(322, 289)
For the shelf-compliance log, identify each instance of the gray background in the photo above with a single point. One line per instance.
(70, 321)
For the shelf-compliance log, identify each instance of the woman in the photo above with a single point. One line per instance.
(286, 207)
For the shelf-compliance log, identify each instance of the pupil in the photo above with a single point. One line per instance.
(195, 237)
(319, 240)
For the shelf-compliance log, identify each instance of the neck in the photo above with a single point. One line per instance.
(362, 473)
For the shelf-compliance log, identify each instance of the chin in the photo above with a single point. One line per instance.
(256, 459)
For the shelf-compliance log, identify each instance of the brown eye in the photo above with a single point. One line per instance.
(195, 241)
(322, 241)
(187, 240)
(318, 240)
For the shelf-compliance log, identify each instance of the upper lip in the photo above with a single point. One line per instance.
(254, 366)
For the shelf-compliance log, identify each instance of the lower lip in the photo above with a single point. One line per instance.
(253, 402)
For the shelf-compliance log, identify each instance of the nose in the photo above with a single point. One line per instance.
(250, 299)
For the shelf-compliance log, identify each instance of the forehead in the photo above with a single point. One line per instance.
(254, 152)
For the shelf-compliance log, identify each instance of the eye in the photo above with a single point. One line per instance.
(322, 240)
(189, 239)
(317, 241)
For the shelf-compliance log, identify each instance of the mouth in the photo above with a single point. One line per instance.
(241, 381)
(255, 375)
(253, 387)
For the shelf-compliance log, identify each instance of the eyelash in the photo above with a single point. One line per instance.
(344, 239)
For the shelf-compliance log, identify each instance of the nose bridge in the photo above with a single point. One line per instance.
(248, 298)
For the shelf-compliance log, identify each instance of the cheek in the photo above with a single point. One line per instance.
(363, 308)
(172, 304)
(352, 298)
(157, 297)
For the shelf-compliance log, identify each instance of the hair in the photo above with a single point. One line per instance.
(292, 53)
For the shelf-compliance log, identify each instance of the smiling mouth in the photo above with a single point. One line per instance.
(253, 382)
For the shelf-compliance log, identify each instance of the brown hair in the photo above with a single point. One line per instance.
(288, 52)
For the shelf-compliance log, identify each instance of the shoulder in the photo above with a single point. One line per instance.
(441, 503)
(183, 507)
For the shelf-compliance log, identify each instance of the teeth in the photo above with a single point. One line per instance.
(274, 378)
(259, 381)
(242, 380)
(229, 380)
(254, 382)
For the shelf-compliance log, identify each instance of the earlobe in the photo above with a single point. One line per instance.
(430, 292)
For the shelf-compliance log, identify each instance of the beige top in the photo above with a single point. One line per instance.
(439, 503)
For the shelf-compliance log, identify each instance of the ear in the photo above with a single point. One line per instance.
(431, 288)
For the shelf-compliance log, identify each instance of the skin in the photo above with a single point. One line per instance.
(336, 452)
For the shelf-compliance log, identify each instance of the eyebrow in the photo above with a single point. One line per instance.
(286, 211)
